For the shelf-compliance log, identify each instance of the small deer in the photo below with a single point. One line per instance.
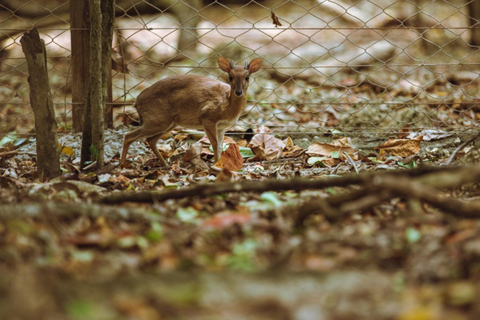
(194, 102)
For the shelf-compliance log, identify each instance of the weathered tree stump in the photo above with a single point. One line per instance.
(48, 155)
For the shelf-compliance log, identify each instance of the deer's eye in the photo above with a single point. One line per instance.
(230, 77)
(247, 77)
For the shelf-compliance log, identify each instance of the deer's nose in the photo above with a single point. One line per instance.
(238, 92)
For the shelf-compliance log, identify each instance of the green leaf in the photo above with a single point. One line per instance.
(314, 160)
(20, 141)
(187, 214)
(80, 309)
(271, 197)
(331, 191)
(245, 248)
(246, 152)
(412, 235)
(411, 165)
(20, 226)
(9, 138)
(335, 154)
(127, 242)
(82, 255)
(93, 151)
(155, 234)
(243, 255)
(142, 242)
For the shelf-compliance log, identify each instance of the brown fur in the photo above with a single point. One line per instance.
(194, 102)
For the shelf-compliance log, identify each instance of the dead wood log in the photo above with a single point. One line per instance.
(298, 184)
(425, 184)
(48, 155)
(408, 188)
(384, 187)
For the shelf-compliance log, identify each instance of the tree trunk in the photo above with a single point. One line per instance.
(108, 18)
(48, 155)
(101, 32)
(92, 142)
(80, 24)
(187, 14)
(474, 17)
(108, 111)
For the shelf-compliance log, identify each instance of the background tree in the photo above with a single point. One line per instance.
(474, 16)
(101, 31)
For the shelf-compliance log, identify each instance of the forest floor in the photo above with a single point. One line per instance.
(296, 236)
(354, 211)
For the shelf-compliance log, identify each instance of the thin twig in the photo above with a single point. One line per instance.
(460, 147)
(351, 161)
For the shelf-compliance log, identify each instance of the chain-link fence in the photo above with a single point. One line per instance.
(364, 65)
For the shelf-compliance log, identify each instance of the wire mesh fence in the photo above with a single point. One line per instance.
(346, 65)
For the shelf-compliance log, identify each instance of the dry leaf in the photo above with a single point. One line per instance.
(288, 143)
(224, 176)
(231, 159)
(118, 64)
(66, 150)
(226, 140)
(404, 132)
(192, 155)
(181, 136)
(193, 152)
(262, 129)
(335, 149)
(227, 218)
(291, 150)
(400, 147)
(275, 20)
(266, 146)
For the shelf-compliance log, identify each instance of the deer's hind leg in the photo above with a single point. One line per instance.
(128, 140)
(152, 142)
(152, 132)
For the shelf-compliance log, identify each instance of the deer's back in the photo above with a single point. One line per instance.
(183, 93)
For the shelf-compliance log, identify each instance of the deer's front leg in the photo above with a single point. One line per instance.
(220, 136)
(210, 128)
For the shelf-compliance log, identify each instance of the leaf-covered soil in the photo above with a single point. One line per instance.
(375, 246)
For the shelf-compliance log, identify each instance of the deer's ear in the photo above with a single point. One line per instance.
(255, 65)
(224, 64)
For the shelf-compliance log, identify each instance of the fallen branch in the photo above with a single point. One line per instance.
(382, 188)
(298, 184)
(406, 187)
